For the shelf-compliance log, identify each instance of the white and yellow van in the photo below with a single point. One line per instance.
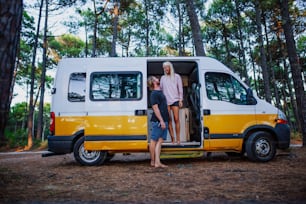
(100, 107)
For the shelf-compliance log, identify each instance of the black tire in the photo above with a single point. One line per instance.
(260, 147)
(87, 158)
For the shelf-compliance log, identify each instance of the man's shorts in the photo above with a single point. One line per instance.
(158, 132)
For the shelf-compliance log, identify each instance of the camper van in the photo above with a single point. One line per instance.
(101, 106)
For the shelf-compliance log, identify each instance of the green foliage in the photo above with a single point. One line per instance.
(301, 49)
(16, 138)
(67, 45)
(16, 130)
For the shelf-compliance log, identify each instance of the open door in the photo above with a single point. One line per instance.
(190, 114)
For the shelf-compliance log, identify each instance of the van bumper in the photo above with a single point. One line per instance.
(60, 144)
(283, 135)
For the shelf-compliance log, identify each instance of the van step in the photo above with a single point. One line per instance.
(169, 143)
(181, 154)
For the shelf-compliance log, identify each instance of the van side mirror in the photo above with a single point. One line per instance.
(250, 98)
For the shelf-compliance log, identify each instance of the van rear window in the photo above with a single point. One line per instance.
(76, 87)
(114, 86)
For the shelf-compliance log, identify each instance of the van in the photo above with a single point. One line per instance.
(100, 107)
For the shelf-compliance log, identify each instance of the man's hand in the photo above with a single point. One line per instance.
(162, 125)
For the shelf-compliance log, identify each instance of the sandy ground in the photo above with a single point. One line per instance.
(30, 178)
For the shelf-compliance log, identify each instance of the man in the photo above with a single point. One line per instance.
(159, 121)
(172, 87)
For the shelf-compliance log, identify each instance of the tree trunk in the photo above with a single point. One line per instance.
(253, 66)
(241, 46)
(295, 67)
(10, 25)
(180, 24)
(270, 65)
(40, 119)
(263, 58)
(147, 3)
(225, 35)
(31, 103)
(115, 29)
(195, 27)
(288, 85)
(94, 40)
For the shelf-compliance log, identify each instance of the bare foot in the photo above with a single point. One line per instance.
(152, 163)
(160, 166)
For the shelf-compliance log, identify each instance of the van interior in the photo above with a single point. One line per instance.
(190, 114)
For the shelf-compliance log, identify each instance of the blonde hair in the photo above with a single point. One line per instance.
(172, 72)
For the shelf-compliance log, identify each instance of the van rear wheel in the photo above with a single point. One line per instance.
(260, 147)
(86, 157)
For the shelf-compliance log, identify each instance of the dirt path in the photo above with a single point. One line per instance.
(29, 178)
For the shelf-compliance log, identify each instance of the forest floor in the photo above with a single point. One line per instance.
(29, 178)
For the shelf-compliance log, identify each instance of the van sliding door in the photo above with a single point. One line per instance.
(116, 106)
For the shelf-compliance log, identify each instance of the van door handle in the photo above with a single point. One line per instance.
(140, 112)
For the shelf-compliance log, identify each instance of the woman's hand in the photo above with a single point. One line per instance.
(180, 104)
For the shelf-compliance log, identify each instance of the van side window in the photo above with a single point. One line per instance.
(224, 87)
(76, 87)
(116, 86)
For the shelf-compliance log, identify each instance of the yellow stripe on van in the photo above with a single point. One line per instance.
(266, 119)
(224, 144)
(225, 131)
(101, 125)
(116, 125)
(68, 125)
(228, 124)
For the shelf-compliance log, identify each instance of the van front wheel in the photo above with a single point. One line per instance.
(85, 157)
(260, 147)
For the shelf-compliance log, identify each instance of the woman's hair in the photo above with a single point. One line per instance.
(172, 73)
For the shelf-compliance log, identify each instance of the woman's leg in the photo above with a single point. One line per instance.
(175, 111)
(170, 127)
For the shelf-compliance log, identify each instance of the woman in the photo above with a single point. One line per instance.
(172, 86)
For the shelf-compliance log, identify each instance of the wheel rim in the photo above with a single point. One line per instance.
(262, 147)
(88, 156)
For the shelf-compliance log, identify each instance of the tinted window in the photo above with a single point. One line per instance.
(76, 87)
(116, 86)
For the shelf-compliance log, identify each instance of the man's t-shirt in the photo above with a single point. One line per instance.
(157, 97)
